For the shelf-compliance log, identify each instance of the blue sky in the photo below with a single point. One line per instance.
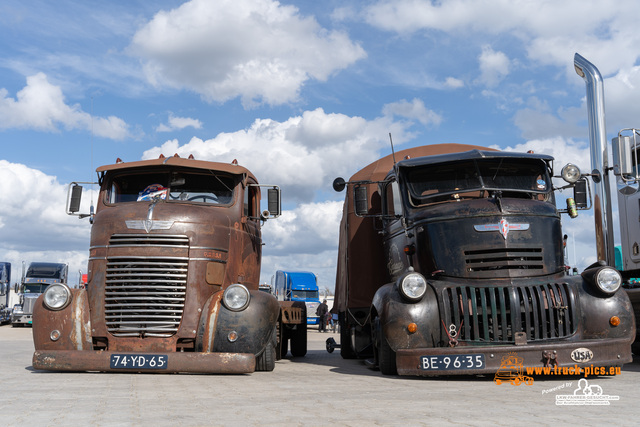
(299, 92)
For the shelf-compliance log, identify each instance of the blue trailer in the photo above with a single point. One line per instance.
(298, 286)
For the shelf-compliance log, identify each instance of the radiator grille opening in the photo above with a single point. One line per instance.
(145, 296)
(496, 314)
(149, 240)
(489, 261)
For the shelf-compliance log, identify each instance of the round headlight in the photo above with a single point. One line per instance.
(413, 286)
(608, 280)
(57, 296)
(570, 173)
(236, 297)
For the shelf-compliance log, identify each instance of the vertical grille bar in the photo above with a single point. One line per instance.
(485, 314)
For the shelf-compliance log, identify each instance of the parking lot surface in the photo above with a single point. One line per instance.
(320, 389)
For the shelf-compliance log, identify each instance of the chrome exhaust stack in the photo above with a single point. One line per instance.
(599, 158)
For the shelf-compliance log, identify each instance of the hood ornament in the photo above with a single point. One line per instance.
(149, 224)
(503, 227)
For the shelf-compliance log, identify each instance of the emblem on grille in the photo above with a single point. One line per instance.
(148, 225)
(503, 227)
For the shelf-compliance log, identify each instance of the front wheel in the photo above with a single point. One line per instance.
(346, 351)
(299, 340)
(266, 361)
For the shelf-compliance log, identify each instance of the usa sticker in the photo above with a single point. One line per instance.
(581, 355)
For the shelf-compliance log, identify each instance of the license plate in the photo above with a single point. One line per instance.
(139, 361)
(449, 363)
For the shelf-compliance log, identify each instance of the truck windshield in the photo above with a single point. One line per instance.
(35, 288)
(523, 178)
(45, 271)
(304, 294)
(182, 187)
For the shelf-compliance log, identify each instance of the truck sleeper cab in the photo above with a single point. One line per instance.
(173, 275)
(35, 280)
(473, 270)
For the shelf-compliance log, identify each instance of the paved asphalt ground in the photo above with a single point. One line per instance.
(320, 389)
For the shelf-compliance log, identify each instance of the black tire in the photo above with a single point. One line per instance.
(346, 351)
(299, 340)
(385, 356)
(266, 361)
(282, 342)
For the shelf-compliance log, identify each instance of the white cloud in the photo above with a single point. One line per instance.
(453, 83)
(413, 110)
(302, 154)
(178, 123)
(261, 51)
(32, 212)
(494, 66)
(305, 238)
(551, 31)
(41, 106)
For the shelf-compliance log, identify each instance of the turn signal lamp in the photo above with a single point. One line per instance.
(614, 321)
(412, 328)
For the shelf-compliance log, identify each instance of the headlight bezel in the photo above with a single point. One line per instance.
(231, 295)
(406, 286)
(53, 294)
(615, 276)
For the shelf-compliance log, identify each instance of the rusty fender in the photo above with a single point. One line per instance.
(251, 327)
(67, 329)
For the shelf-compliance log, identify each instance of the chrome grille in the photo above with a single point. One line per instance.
(496, 314)
(29, 303)
(145, 296)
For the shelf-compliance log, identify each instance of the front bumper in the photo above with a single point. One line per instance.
(208, 363)
(609, 352)
(24, 319)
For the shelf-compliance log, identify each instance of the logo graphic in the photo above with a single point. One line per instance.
(148, 224)
(503, 227)
(512, 371)
(585, 394)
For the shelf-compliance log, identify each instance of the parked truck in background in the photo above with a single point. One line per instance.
(626, 174)
(35, 280)
(173, 273)
(298, 286)
(5, 291)
(452, 258)
(297, 294)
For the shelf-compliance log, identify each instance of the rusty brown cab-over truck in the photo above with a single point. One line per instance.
(452, 258)
(173, 275)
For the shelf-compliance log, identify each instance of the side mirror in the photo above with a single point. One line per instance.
(580, 193)
(15, 288)
(75, 198)
(361, 199)
(3, 289)
(622, 158)
(339, 184)
(273, 201)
